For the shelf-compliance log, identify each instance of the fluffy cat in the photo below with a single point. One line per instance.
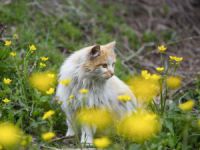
(92, 68)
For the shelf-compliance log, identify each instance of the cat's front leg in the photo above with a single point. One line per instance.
(70, 130)
(87, 135)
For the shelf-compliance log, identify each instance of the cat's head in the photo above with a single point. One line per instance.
(100, 62)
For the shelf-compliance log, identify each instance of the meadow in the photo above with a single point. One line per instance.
(37, 36)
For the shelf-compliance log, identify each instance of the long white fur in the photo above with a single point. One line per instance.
(102, 93)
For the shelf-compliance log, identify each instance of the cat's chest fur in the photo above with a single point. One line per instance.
(98, 92)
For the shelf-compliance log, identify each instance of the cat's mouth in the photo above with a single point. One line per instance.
(108, 75)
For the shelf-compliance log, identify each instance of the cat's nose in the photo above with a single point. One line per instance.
(111, 73)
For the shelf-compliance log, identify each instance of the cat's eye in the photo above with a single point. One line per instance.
(104, 65)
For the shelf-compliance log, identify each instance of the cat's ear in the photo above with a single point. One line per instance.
(111, 45)
(95, 52)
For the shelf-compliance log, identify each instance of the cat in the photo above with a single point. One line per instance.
(92, 68)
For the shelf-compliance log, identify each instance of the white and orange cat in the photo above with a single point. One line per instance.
(92, 68)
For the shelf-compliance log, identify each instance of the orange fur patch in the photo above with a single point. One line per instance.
(106, 52)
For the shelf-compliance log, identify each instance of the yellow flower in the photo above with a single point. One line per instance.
(187, 106)
(15, 36)
(145, 89)
(65, 82)
(42, 81)
(145, 74)
(5, 100)
(9, 134)
(173, 82)
(155, 77)
(8, 43)
(1, 147)
(71, 97)
(48, 114)
(124, 98)
(139, 86)
(50, 91)
(44, 58)
(160, 69)
(32, 48)
(13, 54)
(98, 117)
(83, 91)
(139, 126)
(102, 142)
(42, 65)
(7, 81)
(162, 48)
(51, 75)
(48, 136)
(176, 59)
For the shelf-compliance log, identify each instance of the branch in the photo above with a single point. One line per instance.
(139, 51)
(62, 138)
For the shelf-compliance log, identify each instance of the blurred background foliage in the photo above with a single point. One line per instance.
(65, 26)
